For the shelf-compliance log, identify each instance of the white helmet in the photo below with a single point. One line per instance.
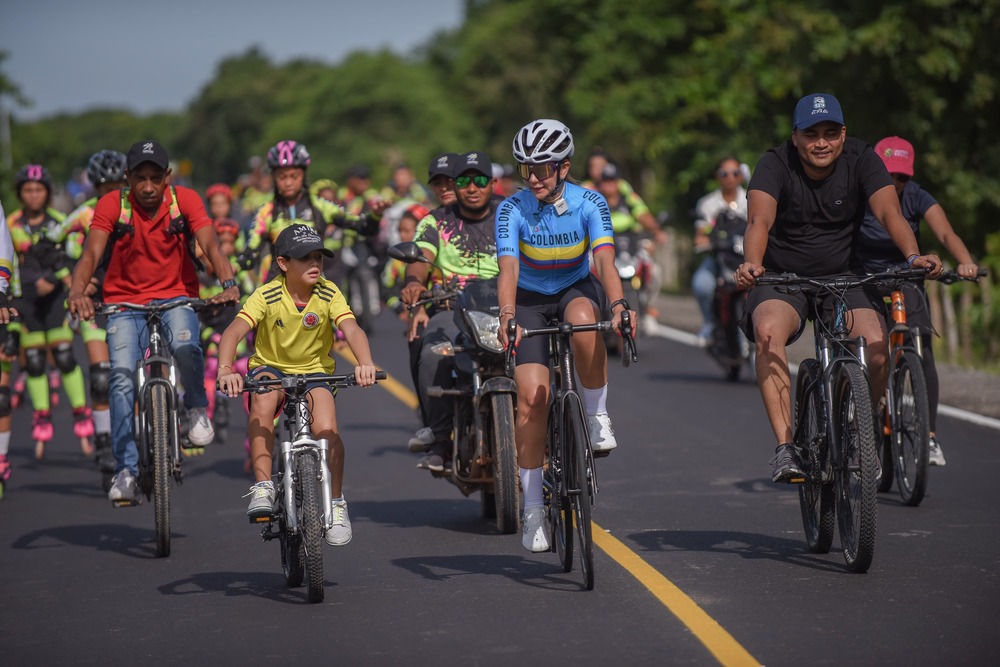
(543, 140)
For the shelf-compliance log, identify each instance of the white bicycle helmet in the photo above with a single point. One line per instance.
(543, 140)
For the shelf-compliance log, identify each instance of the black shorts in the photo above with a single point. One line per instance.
(42, 313)
(856, 297)
(535, 310)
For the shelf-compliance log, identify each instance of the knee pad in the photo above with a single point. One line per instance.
(34, 361)
(100, 379)
(4, 402)
(64, 358)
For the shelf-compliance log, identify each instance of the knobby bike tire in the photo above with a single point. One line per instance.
(857, 466)
(292, 563)
(311, 524)
(159, 439)
(911, 435)
(560, 512)
(816, 498)
(501, 418)
(576, 447)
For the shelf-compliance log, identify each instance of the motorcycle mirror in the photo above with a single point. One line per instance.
(408, 252)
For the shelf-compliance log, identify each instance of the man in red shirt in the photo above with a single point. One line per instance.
(147, 228)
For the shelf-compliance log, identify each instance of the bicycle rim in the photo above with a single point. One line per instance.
(816, 498)
(911, 437)
(856, 468)
(576, 445)
(159, 438)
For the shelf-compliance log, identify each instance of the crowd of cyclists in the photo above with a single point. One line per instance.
(269, 252)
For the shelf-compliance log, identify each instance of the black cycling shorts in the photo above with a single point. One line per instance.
(856, 297)
(535, 310)
(271, 370)
(43, 313)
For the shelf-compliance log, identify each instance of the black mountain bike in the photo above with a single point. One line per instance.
(570, 477)
(834, 426)
(157, 433)
(302, 508)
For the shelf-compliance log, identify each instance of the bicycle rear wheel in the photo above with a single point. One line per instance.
(159, 439)
(856, 467)
(311, 525)
(910, 437)
(576, 446)
(816, 496)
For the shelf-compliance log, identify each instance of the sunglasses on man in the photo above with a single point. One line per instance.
(479, 180)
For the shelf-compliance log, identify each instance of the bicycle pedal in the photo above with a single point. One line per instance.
(602, 454)
(260, 518)
(126, 503)
(193, 451)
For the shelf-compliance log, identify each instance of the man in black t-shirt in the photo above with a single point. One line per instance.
(806, 202)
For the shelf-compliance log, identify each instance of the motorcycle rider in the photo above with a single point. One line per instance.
(729, 195)
(461, 239)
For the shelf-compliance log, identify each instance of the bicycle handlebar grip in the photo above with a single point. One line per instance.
(380, 375)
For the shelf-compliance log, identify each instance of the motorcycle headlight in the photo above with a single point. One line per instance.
(626, 272)
(485, 328)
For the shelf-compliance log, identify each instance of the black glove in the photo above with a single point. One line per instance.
(247, 259)
(369, 225)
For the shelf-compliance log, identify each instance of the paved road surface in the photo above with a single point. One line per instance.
(703, 563)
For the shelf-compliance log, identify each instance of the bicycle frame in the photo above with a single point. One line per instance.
(301, 443)
(156, 368)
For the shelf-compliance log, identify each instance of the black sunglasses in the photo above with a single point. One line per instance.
(479, 180)
(902, 178)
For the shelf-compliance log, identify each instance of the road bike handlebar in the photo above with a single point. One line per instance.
(889, 277)
(951, 276)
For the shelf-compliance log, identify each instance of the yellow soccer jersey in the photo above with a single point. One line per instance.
(293, 340)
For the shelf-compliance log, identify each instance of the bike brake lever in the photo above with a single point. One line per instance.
(508, 355)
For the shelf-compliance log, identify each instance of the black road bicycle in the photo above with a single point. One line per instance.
(570, 477)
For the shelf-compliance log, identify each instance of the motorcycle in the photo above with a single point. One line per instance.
(484, 455)
(634, 261)
(728, 346)
(363, 267)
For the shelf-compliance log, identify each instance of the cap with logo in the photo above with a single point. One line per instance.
(817, 108)
(147, 151)
(442, 165)
(897, 154)
(474, 161)
(297, 241)
(609, 172)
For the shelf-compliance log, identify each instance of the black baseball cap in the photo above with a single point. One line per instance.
(474, 161)
(442, 165)
(359, 171)
(297, 241)
(147, 151)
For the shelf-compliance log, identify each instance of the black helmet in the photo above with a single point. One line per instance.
(106, 167)
(33, 173)
(288, 154)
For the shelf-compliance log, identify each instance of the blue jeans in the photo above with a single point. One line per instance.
(703, 285)
(128, 338)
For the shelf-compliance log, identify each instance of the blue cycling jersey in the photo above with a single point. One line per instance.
(552, 248)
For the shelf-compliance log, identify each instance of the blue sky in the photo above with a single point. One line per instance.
(150, 56)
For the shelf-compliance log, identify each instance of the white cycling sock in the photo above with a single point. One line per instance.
(531, 485)
(4, 443)
(102, 421)
(595, 400)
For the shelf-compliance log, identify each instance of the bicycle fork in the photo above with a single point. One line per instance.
(290, 451)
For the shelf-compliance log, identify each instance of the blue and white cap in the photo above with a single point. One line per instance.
(817, 108)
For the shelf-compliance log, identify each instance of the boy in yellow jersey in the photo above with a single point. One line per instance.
(293, 316)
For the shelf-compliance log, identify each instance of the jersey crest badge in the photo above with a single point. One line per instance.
(310, 320)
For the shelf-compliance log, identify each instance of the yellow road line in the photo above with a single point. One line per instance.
(390, 384)
(708, 631)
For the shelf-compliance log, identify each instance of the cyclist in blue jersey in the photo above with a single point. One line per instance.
(544, 237)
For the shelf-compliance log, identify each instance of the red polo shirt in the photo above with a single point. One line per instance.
(150, 264)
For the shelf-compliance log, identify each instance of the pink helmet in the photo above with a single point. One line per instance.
(288, 154)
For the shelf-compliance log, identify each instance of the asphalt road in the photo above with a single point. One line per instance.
(703, 560)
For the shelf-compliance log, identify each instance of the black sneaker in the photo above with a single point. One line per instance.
(787, 467)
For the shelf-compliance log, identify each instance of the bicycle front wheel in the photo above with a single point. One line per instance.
(501, 434)
(579, 465)
(856, 467)
(560, 512)
(910, 436)
(292, 561)
(816, 496)
(311, 524)
(159, 439)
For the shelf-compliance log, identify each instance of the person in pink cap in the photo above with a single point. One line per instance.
(875, 252)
